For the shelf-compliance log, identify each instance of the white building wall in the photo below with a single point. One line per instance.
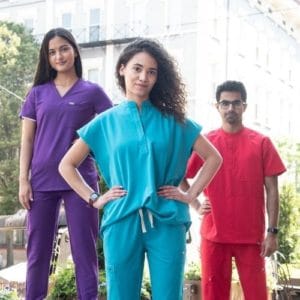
(211, 40)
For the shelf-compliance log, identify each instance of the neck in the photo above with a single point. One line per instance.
(65, 79)
(232, 128)
(138, 102)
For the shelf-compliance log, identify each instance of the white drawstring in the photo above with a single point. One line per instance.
(142, 221)
(150, 216)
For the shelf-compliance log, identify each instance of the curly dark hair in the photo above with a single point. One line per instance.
(168, 93)
(231, 86)
(44, 72)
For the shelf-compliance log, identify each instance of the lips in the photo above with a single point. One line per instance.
(141, 86)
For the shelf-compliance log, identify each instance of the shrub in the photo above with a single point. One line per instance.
(8, 294)
(63, 284)
(288, 223)
(192, 272)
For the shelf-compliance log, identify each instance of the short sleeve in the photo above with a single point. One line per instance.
(273, 165)
(28, 109)
(101, 100)
(192, 132)
(89, 132)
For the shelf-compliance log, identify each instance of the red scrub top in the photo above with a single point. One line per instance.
(236, 192)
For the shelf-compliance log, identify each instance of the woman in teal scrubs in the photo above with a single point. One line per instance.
(141, 147)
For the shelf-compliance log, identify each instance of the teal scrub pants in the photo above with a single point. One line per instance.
(125, 245)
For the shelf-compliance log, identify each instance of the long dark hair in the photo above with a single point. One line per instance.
(44, 72)
(168, 94)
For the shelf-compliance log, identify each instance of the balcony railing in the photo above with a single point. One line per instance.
(101, 35)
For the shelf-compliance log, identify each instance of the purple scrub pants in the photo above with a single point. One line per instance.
(41, 228)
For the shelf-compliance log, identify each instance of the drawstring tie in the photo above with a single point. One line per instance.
(150, 217)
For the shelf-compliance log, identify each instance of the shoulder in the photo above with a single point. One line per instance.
(90, 86)
(213, 133)
(254, 134)
(191, 123)
(112, 113)
(39, 90)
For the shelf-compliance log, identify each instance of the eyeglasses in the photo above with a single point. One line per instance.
(224, 104)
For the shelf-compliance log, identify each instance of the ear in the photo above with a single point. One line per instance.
(217, 105)
(121, 70)
(245, 106)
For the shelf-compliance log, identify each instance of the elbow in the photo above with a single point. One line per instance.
(62, 167)
(218, 160)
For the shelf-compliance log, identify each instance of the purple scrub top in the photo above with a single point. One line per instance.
(57, 119)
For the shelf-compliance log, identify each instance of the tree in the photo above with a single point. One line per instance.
(18, 56)
(290, 153)
(288, 223)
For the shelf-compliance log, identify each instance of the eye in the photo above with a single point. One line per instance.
(136, 68)
(65, 48)
(152, 72)
(51, 53)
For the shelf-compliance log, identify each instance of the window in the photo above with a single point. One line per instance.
(94, 28)
(93, 75)
(28, 23)
(67, 21)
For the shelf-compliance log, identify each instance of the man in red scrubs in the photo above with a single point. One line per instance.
(233, 224)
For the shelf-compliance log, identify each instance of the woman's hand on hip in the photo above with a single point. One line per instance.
(174, 193)
(112, 194)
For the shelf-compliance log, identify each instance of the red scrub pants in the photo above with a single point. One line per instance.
(216, 260)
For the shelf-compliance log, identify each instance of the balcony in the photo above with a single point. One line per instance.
(96, 36)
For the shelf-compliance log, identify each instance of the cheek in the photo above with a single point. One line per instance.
(154, 81)
(51, 61)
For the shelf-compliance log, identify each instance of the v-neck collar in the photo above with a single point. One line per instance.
(67, 92)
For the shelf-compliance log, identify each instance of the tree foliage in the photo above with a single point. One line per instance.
(288, 223)
(18, 56)
(290, 153)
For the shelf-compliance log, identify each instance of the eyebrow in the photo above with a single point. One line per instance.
(232, 100)
(64, 45)
(140, 65)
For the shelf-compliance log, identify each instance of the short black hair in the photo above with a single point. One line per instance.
(231, 86)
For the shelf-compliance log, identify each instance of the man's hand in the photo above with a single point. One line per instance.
(205, 207)
(269, 245)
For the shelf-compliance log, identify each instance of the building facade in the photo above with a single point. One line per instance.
(211, 40)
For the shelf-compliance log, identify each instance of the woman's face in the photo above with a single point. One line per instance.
(140, 75)
(61, 55)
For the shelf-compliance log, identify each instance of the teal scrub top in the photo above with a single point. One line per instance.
(141, 150)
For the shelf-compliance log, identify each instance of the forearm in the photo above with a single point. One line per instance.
(212, 162)
(25, 160)
(204, 176)
(272, 201)
(184, 186)
(273, 209)
(75, 180)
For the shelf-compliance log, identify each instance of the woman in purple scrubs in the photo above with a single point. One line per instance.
(59, 103)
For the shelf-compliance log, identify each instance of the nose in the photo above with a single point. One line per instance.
(231, 106)
(58, 54)
(143, 76)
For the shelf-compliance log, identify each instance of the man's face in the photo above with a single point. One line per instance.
(231, 107)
